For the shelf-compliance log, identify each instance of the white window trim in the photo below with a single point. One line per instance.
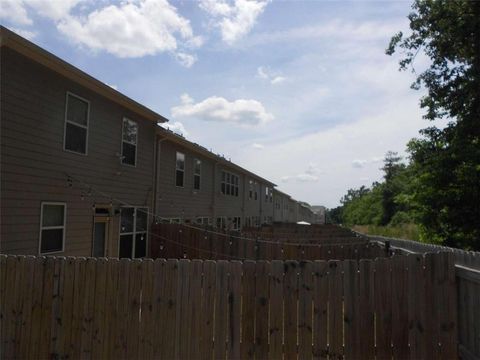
(129, 142)
(75, 124)
(64, 227)
(184, 168)
(134, 232)
(195, 174)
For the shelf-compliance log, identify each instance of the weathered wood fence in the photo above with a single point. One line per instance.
(467, 271)
(403, 307)
(179, 241)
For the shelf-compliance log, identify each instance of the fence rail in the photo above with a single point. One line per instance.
(403, 307)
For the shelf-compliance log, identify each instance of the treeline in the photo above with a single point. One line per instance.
(439, 187)
(409, 197)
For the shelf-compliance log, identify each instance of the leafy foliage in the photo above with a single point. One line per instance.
(445, 163)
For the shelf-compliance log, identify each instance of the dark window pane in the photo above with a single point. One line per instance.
(126, 246)
(236, 191)
(130, 131)
(223, 188)
(142, 216)
(52, 240)
(179, 178)
(198, 167)
(76, 138)
(99, 239)
(128, 153)
(196, 182)
(53, 215)
(126, 220)
(77, 110)
(228, 189)
(141, 245)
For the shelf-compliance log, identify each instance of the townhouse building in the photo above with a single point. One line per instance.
(77, 159)
(85, 170)
(197, 186)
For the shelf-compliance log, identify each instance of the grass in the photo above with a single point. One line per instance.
(406, 231)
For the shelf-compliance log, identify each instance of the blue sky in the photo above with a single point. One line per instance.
(299, 92)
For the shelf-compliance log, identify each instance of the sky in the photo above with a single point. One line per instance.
(299, 92)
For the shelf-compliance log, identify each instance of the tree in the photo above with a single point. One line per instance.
(446, 161)
(392, 168)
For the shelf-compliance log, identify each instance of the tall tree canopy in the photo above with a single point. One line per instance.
(445, 193)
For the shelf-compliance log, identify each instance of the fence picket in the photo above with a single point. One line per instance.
(305, 292)
(335, 311)
(290, 292)
(261, 309)
(276, 307)
(248, 310)
(320, 310)
(221, 302)
(234, 308)
(383, 308)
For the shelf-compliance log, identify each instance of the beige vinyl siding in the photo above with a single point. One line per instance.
(33, 162)
(183, 202)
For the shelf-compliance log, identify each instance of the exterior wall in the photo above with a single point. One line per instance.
(252, 206)
(266, 206)
(33, 162)
(183, 202)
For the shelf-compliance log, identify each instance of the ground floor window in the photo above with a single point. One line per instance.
(236, 223)
(221, 222)
(52, 227)
(202, 220)
(133, 232)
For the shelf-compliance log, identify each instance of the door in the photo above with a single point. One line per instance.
(100, 236)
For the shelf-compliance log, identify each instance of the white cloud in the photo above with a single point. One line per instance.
(335, 29)
(186, 60)
(176, 127)
(132, 29)
(358, 163)
(273, 77)
(15, 12)
(243, 112)
(258, 146)
(300, 178)
(236, 19)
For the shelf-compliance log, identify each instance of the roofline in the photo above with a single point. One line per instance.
(9, 39)
(282, 193)
(175, 138)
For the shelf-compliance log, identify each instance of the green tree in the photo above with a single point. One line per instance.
(445, 193)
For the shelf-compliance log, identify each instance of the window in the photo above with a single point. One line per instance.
(76, 124)
(133, 232)
(52, 227)
(229, 184)
(250, 190)
(197, 171)
(129, 142)
(179, 169)
(202, 220)
(268, 194)
(221, 222)
(236, 223)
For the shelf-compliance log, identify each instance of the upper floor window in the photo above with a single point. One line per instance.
(229, 184)
(197, 172)
(76, 124)
(129, 142)
(52, 227)
(250, 190)
(179, 169)
(268, 194)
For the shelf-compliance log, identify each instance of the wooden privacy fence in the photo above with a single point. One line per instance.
(467, 271)
(179, 241)
(402, 307)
